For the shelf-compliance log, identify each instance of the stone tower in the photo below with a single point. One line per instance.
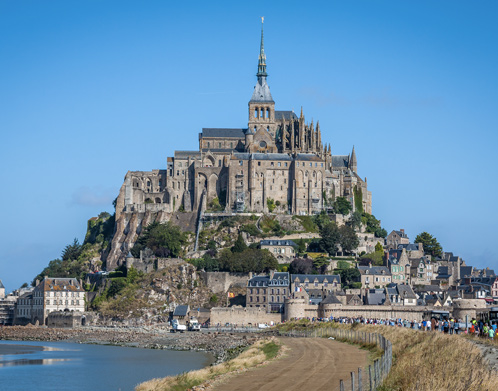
(261, 105)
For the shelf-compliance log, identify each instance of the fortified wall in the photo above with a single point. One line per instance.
(221, 281)
(243, 316)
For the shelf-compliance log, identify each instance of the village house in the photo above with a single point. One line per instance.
(399, 265)
(374, 276)
(268, 292)
(51, 294)
(283, 250)
(401, 294)
(395, 238)
(421, 271)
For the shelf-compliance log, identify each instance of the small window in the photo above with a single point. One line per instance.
(311, 164)
(259, 163)
(219, 145)
(241, 162)
(279, 164)
(285, 164)
(209, 144)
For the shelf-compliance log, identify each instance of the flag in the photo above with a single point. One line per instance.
(231, 295)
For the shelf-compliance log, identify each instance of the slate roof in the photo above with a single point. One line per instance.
(428, 288)
(406, 292)
(402, 234)
(224, 132)
(340, 161)
(59, 284)
(443, 272)
(409, 246)
(330, 278)
(465, 271)
(1, 285)
(262, 156)
(261, 92)
(279, 279)
(181, 310)
(277, 243)
(307, 157)
(374, 270)
(331, 299)
(186, 154)
(287, 115)
(259, 281)
(377, 298)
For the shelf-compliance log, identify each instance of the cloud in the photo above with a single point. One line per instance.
(92, 196)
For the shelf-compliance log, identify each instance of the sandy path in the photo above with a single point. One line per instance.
(310, 364)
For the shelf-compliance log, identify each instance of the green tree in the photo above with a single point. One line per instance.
(430, 243)
(342, 206)
(320, 265)
(349, 276)
(378, 247)
(163, 239)
(321, 219)
(348, 239)
(270, 202)
(330, 237)
(355, 220)
(343, 264)
(71, 251)
(301, 266)
(358, 199)
(239, 245)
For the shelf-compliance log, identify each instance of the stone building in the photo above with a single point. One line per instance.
(277, 158)
(374, 276)
(399, 265)
(283, 250)
(396, 238)
(422, 271)
(51, 294)
(268, 292)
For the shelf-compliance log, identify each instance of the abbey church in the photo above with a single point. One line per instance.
(277, 158)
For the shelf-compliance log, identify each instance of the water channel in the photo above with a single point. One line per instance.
(61, 366)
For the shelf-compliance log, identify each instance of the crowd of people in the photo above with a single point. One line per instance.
(450, 325)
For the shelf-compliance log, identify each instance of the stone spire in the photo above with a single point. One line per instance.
(262, 56)
(261, 90)
(352, 161)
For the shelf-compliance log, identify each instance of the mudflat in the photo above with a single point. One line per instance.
(309, 364)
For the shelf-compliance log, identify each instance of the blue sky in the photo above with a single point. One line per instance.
(92, 89)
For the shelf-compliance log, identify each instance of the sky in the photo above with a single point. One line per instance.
(92, 89)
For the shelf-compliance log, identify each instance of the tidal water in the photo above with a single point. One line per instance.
(60, 366)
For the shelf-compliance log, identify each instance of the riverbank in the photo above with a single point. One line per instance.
(221, 345)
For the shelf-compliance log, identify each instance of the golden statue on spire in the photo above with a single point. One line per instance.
(262, 19)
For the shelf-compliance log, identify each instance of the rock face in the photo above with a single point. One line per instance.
(130, 222)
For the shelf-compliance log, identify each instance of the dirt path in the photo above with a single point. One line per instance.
(310, 364)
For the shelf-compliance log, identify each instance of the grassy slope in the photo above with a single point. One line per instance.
(255, 355)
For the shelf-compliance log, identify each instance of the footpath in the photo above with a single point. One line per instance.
(309, 364)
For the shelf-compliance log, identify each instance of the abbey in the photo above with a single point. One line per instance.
(278, 160)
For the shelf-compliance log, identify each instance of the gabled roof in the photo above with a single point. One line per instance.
(224, 132)
(181, 310)
(331, 299)
(286, 115)
(374, 270)
(465, 271)
(259, 281)
(408, 246)
(279, 279)
(401, 234)
(320, 278)
(406, 291)
(59, 284)
(375, 298)
(340, 161)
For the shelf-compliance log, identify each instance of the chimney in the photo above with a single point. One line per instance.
(402, 230)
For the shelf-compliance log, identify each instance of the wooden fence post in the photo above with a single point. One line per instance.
(370, 377)
(353, 388)
(360, 380)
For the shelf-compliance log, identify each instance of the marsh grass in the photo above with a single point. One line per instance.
(430, 361)
(254, 355)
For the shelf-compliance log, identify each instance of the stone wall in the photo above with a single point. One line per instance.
(242, 316)
(221, 281)
(61, 319)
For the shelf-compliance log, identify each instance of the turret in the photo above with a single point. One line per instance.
(352, 161)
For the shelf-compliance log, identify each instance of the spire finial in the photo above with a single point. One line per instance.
(262, 56)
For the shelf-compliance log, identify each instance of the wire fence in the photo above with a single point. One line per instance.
(363, 379)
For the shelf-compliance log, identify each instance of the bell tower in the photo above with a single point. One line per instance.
(261, 105)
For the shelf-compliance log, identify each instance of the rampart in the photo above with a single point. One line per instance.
(242, 316)
(221, 281)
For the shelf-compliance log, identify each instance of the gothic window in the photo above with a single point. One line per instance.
(268, 129)
(267, 113)
(255, 115)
